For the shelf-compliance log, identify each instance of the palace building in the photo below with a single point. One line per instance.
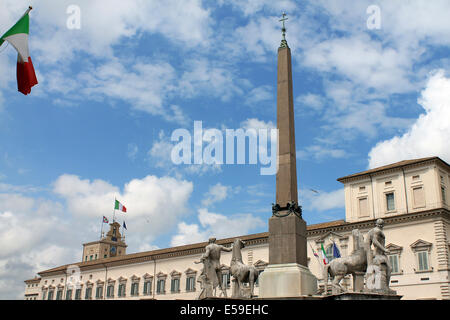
(411, 196)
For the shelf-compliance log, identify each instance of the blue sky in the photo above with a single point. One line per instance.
(111, 93)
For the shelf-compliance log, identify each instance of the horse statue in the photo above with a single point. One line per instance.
(355, 263)
(241, 272)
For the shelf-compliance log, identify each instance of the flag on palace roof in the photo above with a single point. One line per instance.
(119, 206)
(105, 220)
(17, 36)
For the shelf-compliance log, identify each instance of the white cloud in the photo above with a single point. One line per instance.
(206, 77)
(216, 193)
(254, 123)
(144, 199)
(103, 26)
(217, 225)
(259, 95)
(319, 152)
(429, 135)
(251, 7)
(311, 101)
(324, 201)
(133, 150)
(33, 241)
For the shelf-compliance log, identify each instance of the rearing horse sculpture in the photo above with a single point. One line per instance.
(338, 268)
(242, 273)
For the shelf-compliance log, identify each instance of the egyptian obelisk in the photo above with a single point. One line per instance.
(287, 274)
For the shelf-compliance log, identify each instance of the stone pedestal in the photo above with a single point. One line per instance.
(287, 240)
(287, 281)
(362, 296)
(358, 281)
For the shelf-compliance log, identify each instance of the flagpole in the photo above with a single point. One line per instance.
(114, 211)
(101, 230)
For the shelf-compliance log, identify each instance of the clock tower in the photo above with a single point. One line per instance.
(112, 245)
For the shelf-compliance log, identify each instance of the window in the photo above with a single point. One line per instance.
(78, 294)
(99, 292)
(50, 295)
(419, 197)
(329, 253)
(110, 291)
(91, 257)
(121, 291)
(135, 288)
(161, 286)
(362, 188)
(44, 293)
(443, 194)
(95, 256)
(226, 279)
(190, 284)
(69, 294)
(422, 258)
(363, 207)
(59, 294)
(393, 259)
(175, 285)
(390, 201)
(147, 287)
(388, 183)
(88, 293)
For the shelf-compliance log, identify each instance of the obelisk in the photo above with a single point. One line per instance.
(287, 274)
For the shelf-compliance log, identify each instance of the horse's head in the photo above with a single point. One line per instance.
(238, 243)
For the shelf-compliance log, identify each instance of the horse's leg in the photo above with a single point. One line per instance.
(251, 281)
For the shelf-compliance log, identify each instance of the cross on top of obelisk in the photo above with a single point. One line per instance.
(283, 31)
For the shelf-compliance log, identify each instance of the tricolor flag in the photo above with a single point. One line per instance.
(105, 220)
(120, 207)
(324, 255)
(313, 251)
(17, 36)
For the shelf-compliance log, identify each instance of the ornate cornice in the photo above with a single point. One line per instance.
(250, 240)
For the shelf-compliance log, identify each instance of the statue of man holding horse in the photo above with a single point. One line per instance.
(211, 264)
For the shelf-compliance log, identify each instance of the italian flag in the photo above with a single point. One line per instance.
(120, 207)
(324, 255)
(17, 36)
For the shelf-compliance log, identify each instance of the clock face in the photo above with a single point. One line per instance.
(113, 250)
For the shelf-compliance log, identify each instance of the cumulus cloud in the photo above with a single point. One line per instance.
(143, 198)
(429, 135)
(217, 225)
(324, 201)
(216, 193)
(36, 237)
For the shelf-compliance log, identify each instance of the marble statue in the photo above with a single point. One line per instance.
(354, 264)
(211, 276)
(378, 272)
(241, 272)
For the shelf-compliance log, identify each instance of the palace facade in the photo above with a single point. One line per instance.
(412, 197)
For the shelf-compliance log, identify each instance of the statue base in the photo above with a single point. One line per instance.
(362, 296)
(286, 281)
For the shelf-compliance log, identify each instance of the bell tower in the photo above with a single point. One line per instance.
(112, 245)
